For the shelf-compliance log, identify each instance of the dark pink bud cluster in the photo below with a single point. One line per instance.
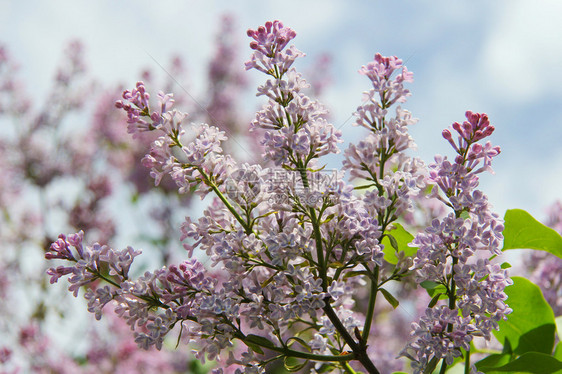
(447, 248)
(136, 105)
(270, 53)
(61, 247)
(136, 102)
(137, 96)
(271, 38)
(476, 128)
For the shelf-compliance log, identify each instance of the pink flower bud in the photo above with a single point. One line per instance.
(457, 127)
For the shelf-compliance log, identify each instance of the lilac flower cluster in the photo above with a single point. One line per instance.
(134, 298)
(290, 274)
(183, 292)
(199, 161)
(379, 157)
(393, 180)
(296, 131)
(446, 258)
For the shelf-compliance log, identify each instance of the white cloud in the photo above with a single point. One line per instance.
(524, 49)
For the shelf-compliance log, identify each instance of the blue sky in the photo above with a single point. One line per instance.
(503, 58)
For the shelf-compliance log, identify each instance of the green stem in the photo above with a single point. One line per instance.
(214, 187)
(452, 302)
(319, 249)
(292, 353)
(227, 203)
(310, 356)
(452, 295)
(371, 310)
(348, 369)
(467, 361)
(100, 275)
(317, 234)
(360, 351)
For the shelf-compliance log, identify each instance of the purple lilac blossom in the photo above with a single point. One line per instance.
(378, 162)
(447, 252)
(293, 254)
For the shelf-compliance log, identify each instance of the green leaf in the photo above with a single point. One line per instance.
(492, 361)
(335, 265)
(255, 342)
(355, 273)
(393, 242)
(254, 347)
(434, 300)
(399, 242)
(507, 347)
(196, 367)
(531, 326)
(329, 218)
(464, 215)
(530, 362)
(325, 368)
(523, 231)
(260, 340)
(430, 285)
(391, 299)
(434, 288)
